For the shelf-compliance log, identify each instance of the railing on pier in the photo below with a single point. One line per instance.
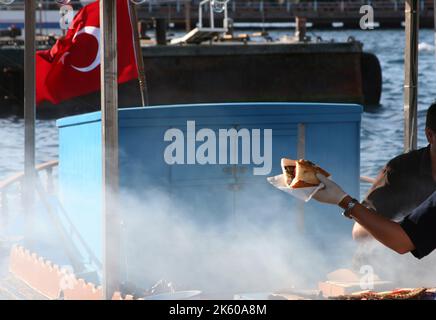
(388, 13)
(69, 235)
(247, 8)
(286, 9)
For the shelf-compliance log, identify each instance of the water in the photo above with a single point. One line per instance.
(382, 128)
(12, 144)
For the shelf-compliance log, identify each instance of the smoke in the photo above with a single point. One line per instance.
(200, 242)
(199, 245)
(176, 241)
(402, 270)
(166, 237)
(189, 245)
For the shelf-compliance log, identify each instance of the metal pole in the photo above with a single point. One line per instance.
(262, 10)
(434, 16)
(109, 122)
(411, 75)
(138, 54)
(188, 15)
(200, 15)
(301, 154)
(211, 15)
(41, 19)
(226, 18)
(29, 101)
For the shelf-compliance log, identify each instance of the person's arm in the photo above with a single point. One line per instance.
(360, 233)
(382, 198)
(388, 232)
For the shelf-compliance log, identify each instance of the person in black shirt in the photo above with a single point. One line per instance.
(405, 191)
(420, 227)
(416, 233)
(405, 182)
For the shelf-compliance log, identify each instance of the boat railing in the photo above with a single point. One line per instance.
(18, 180)
(70, 236)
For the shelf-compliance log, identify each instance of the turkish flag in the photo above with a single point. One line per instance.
(71, 67)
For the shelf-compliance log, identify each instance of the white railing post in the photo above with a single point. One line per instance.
(211, 15)
(200, 15)
(226, 16)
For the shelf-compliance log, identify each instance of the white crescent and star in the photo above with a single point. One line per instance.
(95, 32)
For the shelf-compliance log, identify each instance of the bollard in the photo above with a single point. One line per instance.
(160, 25)
(142, 30)
(300, 29)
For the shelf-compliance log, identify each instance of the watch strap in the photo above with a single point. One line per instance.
(351, 204)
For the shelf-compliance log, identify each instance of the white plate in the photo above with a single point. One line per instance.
(178, 295)
(304, 194)
(252, 296)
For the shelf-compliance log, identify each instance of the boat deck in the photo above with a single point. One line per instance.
(12, 288)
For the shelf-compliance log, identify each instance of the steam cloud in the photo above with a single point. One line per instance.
(249, 254)
(183, 242)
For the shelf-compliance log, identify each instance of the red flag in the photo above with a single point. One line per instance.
(72, 67)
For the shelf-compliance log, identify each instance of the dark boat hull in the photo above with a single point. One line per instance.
(316, 72)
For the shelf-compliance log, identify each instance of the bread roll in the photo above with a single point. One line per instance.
(301, 173)
(288, 169)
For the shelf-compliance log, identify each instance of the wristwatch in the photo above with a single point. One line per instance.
(351, 204)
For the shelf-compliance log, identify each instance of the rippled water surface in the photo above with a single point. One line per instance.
(382, 128)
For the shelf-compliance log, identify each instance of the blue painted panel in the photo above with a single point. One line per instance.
(80, 178)
(211, 194)
(336, 147)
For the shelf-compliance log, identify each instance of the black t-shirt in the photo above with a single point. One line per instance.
(420, 226)
(404, 183)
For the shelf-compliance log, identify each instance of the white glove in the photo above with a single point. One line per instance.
(331, 193)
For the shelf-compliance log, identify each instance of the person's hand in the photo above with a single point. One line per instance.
(331, 193)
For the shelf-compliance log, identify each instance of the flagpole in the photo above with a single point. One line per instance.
(109, 122)
(29, 105)
(138, 54)
(411, 75)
